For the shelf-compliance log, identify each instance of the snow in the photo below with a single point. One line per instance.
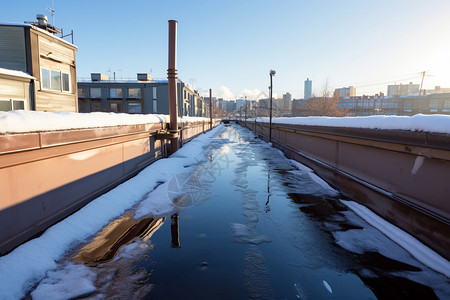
(420, 122)
(70, 282)
(418, 250)
(319, 182)
(29, 263)
(15, 73)
(22, 121)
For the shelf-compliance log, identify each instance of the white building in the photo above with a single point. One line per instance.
(345, 92)
(403, 89)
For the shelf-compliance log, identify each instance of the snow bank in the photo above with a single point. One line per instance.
(427, 123)
(21, 121)
(29, 263)
(418, 250)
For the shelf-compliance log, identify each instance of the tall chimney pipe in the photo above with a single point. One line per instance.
(172, 82)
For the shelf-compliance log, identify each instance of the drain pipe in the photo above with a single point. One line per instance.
(172, 83)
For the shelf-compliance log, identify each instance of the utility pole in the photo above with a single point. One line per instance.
(421, 84)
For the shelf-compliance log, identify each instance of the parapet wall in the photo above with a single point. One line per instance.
(401, 175)
(45, 176)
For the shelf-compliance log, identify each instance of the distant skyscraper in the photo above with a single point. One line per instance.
(308, 89)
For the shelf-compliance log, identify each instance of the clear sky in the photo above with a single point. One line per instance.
(230, 46)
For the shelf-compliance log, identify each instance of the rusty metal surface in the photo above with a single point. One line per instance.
(45, 176)
(403, 176)
(11, 143)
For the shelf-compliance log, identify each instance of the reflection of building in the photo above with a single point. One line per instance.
(397, 105)
(40, 68)
(143, 95)
(403, 89)
(308, 89)
(345, 92)
(116, 234)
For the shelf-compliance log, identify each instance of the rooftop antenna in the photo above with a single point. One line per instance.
(52, 10)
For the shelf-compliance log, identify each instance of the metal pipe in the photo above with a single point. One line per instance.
(210, 108)
(172, 84)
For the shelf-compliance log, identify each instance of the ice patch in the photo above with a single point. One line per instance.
(418, 250)
(244, 234)
(328, 287)
(327, 189)
(67, 283)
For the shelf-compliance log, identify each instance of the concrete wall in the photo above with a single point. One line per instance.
(402, 176)
(45, 176)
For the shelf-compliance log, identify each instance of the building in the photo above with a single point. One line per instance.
(308, 89)
(345, 92)
(15, 90)
(300, 107)
(396, 105)
(436, 90)
(403, 89)
(43, 68)
(144, 95)
(287, 103)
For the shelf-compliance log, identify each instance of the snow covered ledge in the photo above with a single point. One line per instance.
(53, 163)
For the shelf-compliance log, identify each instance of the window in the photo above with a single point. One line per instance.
(115, 93)
(55, 80)
(134, 93)
(95, 92)
(81, 92)
(155, 95)
(7, 105)
(134, 108)
(45, 78)
(115, 107)
(155, 106)
(65, 82)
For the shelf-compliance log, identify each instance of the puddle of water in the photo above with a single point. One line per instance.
(248, 224)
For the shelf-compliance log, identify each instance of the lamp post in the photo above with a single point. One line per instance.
(271, 74)
(210, 109)
(245, 111)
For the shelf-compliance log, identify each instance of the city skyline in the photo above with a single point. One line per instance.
(230, 47)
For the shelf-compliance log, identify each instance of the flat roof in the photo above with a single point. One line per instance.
(40, 30)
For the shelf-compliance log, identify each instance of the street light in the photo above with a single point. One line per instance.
(271, 74)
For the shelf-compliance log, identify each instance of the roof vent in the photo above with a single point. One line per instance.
(42, 20)
(144, 77)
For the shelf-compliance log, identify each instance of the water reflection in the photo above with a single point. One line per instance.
(116, 234)
(174, 230)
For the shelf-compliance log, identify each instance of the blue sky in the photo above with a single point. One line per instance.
(230, 46)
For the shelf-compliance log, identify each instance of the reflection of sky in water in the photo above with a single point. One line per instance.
(252, 225)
